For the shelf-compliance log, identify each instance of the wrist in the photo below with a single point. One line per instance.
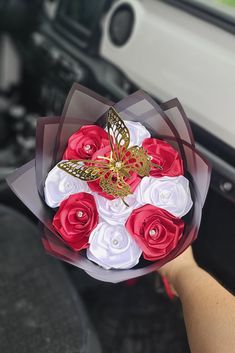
(179, 270)
(185, 276)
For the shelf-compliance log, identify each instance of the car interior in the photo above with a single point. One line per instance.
(173, 48)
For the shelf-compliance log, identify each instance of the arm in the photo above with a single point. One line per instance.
(209, 309)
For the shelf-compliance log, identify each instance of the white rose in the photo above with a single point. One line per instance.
(115, 211)
(138, 133)
(59, 185)
(112, 247)
(170, 193)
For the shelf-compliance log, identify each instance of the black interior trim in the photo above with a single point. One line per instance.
(206, 13)
(213, 143)
(83, 34)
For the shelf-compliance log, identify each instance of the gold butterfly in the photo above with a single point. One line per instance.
(113, 171)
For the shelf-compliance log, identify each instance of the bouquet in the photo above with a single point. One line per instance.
(118, 188)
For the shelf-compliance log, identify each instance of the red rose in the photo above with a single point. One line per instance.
(164, 155)
(155, 230)
(133, 181)
(75, 219)
(85, 142)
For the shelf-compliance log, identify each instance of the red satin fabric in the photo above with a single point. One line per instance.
(89, 135)
(168, 231)
(165, 156)
(73, 229)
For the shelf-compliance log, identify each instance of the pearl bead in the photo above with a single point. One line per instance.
(115, 242)
(79, 214)
(152, 232)
(118, 164)
(87, 147)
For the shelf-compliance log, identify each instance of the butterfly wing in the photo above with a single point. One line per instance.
(137, 160)
(119, 135)
(115, 186)
(82, 171)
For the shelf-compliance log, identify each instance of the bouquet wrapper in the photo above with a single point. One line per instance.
(84, 107)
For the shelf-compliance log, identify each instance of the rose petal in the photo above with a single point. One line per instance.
(112, 247)
(169, 228)
(170, 193)
(59, 185)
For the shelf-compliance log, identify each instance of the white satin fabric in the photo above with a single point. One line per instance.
(59, 185)
(112, 247)
(170, 193)
(138, 133)
(115, 211)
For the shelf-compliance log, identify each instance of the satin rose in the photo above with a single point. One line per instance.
(59, 185)
(112, 247)
(133, 180)
(165, 156)
(155, 230)
(75, 220)
(170, 193)
(138, 133)
(115, 211)
(85, 142)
